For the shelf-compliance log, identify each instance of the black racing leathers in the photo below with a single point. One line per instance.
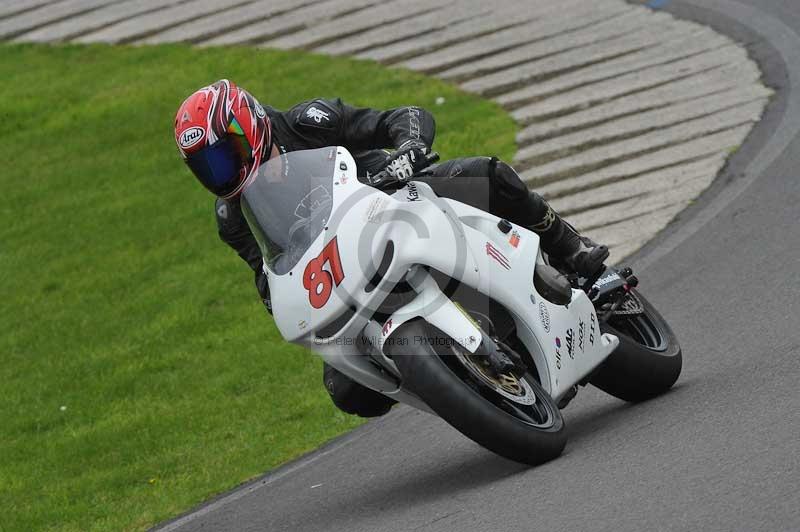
(362, 131)
(483, 182)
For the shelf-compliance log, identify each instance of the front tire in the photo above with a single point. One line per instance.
(648, 360)
(431, 369)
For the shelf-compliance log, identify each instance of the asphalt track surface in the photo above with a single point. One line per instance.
(721, 451)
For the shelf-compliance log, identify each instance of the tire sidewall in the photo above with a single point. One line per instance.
(634, 372)
(427, 376)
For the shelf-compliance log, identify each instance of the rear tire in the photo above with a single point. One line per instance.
(432, 371)
(648, 360)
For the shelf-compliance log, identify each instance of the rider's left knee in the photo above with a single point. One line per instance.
(507, 180)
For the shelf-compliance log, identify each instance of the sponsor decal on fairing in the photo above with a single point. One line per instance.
(570, 339)
(544, 316)
(558, 352)
(413, 193)
(495, 254)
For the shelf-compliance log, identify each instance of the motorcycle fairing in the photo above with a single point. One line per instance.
(458, 240)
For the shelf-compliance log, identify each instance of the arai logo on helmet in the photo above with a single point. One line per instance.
(191, 136)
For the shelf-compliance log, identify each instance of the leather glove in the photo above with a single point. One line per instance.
(407, 160)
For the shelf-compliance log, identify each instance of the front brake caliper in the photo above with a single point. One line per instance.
(501, 358)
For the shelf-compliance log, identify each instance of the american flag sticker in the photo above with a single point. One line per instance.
(514, 240)
(494, 253)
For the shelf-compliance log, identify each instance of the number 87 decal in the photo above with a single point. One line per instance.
(319, 282)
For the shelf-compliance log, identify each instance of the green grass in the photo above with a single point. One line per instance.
(140, 374)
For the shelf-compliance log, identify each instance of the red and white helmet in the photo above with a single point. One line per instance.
(222, 134)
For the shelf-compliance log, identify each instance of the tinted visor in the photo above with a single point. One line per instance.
(218, 167)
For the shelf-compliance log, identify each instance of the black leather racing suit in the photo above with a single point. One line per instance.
(482, 182)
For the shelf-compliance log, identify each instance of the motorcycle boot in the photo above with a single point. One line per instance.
(563, 243)
(512, 199)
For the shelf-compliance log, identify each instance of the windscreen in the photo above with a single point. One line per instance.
(288, 204)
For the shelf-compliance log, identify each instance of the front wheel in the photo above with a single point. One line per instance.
(513, 417)
(647, 361)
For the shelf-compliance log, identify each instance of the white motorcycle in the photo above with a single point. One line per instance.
(445, 307)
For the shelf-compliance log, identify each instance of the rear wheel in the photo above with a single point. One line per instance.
(648, 360)
(513, 417)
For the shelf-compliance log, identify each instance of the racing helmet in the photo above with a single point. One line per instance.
(222, 133)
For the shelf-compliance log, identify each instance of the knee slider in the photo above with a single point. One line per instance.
(353, 398)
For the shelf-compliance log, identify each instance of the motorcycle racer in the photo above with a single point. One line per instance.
(223, 134)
